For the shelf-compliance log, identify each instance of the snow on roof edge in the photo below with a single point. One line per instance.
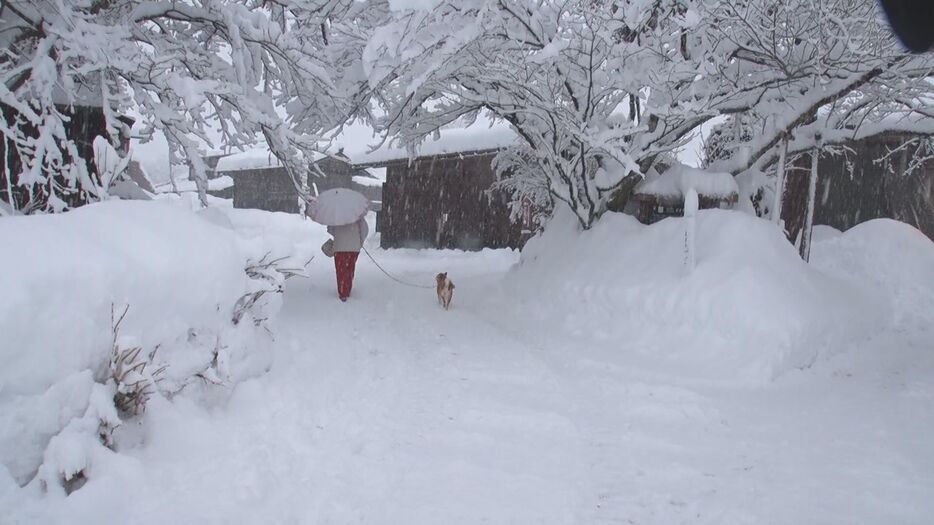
(679, 178)
(485, 134)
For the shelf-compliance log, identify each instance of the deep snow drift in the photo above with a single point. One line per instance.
(68, 278)
(592, 380)
(750, 310)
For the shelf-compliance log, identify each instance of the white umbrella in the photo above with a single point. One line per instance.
(338, 206)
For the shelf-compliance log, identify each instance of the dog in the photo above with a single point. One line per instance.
(445, 290)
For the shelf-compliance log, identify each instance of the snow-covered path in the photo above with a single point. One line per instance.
(387, 409)
(424, 415)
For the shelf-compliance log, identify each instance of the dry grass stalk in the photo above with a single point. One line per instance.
(135, 384)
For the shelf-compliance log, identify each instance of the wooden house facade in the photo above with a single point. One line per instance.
(446, 201)
(271, 188)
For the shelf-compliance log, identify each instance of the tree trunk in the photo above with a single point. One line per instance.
(779, 184)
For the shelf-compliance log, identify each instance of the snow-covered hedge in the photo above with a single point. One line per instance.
(749, 311)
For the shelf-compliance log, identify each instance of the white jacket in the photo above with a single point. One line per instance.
(349, 237)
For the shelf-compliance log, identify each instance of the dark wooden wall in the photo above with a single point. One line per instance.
(443, 202)
(871, 191)
(846, 197)
(272, 189)
(269, 189)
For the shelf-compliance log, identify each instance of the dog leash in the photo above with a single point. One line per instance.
(391, 276)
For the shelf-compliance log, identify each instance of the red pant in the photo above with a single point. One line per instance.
(344, 263)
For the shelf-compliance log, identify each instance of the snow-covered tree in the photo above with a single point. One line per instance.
(597, 90)
(812, 70)
(807, 75)
(581, 83)
(282, 72)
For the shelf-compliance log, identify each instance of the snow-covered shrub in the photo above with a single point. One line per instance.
(268, 275)
(71, 453)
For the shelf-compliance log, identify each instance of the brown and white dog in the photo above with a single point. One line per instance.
(445, 290)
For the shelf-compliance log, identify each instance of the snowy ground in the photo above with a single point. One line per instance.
(387, 409)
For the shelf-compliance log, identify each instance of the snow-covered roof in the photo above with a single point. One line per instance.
(248, 160)
(220, 183)
(251, 159)
(358, 140)
(678, 179)
(216, 184)
(367, 181)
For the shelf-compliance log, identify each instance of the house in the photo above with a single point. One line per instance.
(443, 198)
(444, 201)
(259, 181)
(662, 195)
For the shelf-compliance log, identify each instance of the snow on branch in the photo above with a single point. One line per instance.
(267, 276)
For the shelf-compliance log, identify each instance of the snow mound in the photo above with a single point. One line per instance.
(63, 273)
(822, 232)
(891, 258)
(750, 311)
(181, 271)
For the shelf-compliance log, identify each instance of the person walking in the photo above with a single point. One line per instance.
(348, 240)
(343, 211)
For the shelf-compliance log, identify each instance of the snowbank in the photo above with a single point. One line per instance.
(180, 271)
(892, 259)
(64, 272)
(751, 310)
